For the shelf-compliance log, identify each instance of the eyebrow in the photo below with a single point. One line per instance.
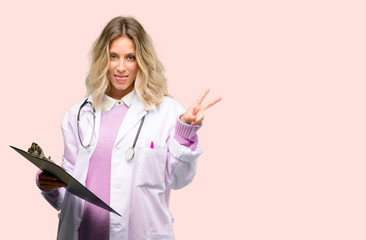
(128, 54)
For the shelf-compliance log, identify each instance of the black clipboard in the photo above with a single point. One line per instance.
(73, 185)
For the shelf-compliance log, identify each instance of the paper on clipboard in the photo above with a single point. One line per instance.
(73, 185)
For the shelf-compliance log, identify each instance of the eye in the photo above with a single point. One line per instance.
(131, 57)
(113, 56)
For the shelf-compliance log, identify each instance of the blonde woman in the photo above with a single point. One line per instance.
(128, 142)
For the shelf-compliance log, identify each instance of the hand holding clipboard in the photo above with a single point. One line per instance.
(63, 179)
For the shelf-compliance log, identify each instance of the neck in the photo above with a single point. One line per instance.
(118, 94)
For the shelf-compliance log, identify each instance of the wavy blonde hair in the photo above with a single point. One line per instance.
(150, 83)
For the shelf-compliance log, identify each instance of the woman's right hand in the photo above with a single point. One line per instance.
(49, 182)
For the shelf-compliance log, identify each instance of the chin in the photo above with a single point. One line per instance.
(123, 87)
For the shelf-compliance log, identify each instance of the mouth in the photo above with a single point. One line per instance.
(121, 78)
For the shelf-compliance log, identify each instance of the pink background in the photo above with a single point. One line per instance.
(285, 149)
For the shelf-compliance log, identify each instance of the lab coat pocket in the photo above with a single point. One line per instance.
(152, 168)
(158, 236)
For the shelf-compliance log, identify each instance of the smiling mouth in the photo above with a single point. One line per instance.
(121, 78)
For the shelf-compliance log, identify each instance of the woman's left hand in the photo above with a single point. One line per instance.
(194, 115)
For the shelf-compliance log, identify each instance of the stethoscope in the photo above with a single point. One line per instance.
(130, 152)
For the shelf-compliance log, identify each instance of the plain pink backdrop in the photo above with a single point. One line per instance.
(284, 150)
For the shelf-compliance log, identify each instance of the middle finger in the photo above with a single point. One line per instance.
(203, 95)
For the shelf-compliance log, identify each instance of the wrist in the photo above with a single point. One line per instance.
(184, 120)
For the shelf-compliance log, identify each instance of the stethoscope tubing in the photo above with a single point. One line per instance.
(130, 152)
(78, 123)
(138, 132)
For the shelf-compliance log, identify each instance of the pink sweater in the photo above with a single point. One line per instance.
(95, 221)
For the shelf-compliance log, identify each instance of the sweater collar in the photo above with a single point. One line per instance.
(109, 102)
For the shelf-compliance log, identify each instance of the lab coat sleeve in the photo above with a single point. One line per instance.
(181, 164)
(68, 159)
(181, 160)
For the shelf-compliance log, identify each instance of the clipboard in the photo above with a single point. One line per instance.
(73, 186)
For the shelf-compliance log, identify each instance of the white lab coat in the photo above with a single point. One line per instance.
(140, 188)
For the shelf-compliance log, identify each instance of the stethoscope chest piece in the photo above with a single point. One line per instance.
(130, 153)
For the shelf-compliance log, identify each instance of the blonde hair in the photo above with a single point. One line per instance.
(150, 83)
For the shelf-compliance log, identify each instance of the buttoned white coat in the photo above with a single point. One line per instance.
(140, 188)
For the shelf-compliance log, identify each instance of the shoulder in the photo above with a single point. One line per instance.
(71, 113)
(168, 110)
(75, 107)
(171, 105)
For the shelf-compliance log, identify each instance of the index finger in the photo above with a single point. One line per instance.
(46, 175)
(211, 103)
(203, 95)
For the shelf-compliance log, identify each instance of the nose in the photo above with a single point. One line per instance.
(121, 65)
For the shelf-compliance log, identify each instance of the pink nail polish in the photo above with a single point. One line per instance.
(152, 145)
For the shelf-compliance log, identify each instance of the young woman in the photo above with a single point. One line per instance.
(128, 142)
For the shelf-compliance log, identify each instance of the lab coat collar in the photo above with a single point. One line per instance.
(134, 114)
(109, 102)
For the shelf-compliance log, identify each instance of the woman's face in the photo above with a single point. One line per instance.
(122, 68)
